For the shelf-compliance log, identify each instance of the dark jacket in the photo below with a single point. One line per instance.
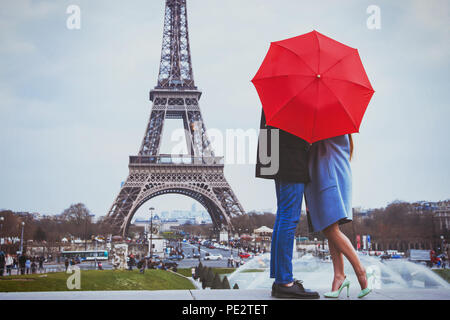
(22, 260)
(293, 155)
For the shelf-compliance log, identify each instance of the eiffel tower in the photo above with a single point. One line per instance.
(198, 174)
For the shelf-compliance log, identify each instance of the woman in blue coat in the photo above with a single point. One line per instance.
(328, 198)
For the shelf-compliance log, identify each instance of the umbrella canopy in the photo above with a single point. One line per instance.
(246, 237)
(313, 87)
(263, 229)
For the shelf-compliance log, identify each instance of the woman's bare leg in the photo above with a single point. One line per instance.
(344, 246)
(338, 266)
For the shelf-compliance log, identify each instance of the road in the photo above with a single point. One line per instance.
(189, 262)
(185, 263)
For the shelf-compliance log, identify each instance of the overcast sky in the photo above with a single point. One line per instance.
(74, 103)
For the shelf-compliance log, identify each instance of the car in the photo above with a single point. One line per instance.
(211, 246)
(244, 255)
(170, 264)
(385, 256)
(176, 257)
(194, 255)
(213, 257)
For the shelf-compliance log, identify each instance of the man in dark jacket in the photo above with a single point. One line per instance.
(2, 263)
(284, 157)
(22, 261)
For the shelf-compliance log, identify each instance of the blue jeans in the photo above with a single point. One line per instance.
(289, 205)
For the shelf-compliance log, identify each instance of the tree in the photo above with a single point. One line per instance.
(204, 274)
(225, 283)
(39, 234)
(78, 217)
(209, 278)
(216, 283)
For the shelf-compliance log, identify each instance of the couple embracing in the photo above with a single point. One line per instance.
(321, 172)
(314, 93)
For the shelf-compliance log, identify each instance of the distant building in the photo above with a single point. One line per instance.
(167, 224)
(363, 213)
(442, 216)
(440, 211)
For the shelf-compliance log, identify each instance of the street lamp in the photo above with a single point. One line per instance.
(229, 241)
(21, 238)
(1, 229)
(85, 239)
(85, 228)
(151, 231)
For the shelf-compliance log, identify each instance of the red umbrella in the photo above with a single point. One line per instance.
(246, 237)
(313, 87)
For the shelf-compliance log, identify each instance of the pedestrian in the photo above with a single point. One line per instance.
(290, 179)
(131, 262)
(27, 265)
(9, 264)
(41, 264)
(66, 263)
(444, 260)
(328, 198)
(193, 272)
(22, 262)
(2, 263)
(33, 266)
(141, 265)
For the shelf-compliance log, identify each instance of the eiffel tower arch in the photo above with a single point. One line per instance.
(197, 174)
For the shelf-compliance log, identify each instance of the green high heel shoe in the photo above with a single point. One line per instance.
(335, 294)
(367, 290)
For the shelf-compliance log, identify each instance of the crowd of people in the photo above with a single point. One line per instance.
(22, 263)
(71, 262)
(142, 263)
(234, 263)
(438, 260)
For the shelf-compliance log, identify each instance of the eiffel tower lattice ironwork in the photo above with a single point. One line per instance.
(199, 174)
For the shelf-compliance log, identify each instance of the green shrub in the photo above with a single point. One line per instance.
(210, 277)
(204, 274)
(225, 283)
(216, 284)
